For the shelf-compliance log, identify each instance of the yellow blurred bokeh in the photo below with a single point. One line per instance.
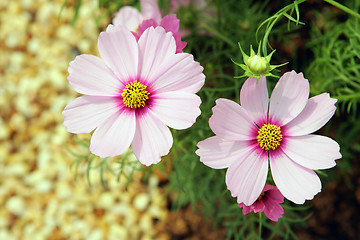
(39, 196)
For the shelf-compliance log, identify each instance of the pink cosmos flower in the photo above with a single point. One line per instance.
(133, 93)
(255, 133)
(170, 23)
(175, 5)
(138, 22)
(268, 202)
(131, 18)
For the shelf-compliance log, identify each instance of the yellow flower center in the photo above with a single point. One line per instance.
(261, 196)
(135, 95)
(269, 136)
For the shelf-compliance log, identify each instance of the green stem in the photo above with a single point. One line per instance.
(218, 34)
(260, 225)
(342, 7)
(218, 8)
(275, 17)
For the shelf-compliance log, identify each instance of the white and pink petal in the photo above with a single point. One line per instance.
(317, 113)
(171, 24)
(120, 52)
(150, 9)
(156, 47)
(312, 151)
(177, 110)
(288, 98)
(254, 98)
(179, 73)
(231, 122)
(143, 26)
(295, 182)
(245, 178)
(85, 113)
(112, 28)
(152, 139)
(219, 153)
(89, 75)
(114, 136)
(128, 17)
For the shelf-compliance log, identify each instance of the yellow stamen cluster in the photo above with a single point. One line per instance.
(261, 196)
(135, 95)
(269, 136)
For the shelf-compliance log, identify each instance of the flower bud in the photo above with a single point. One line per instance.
(256, 65)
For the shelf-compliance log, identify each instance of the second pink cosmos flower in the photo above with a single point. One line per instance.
(250, 136)
(150, 15)
(133, 93)
(268, 202)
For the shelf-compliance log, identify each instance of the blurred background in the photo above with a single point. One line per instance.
(47, 190)
(39, 196)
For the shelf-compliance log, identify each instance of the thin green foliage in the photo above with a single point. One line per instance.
(110, 6)
(126, 166)
(343, 8)
(76, 10)
(271, 21)
(212, 40)
(61, 9)
(336, 68)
